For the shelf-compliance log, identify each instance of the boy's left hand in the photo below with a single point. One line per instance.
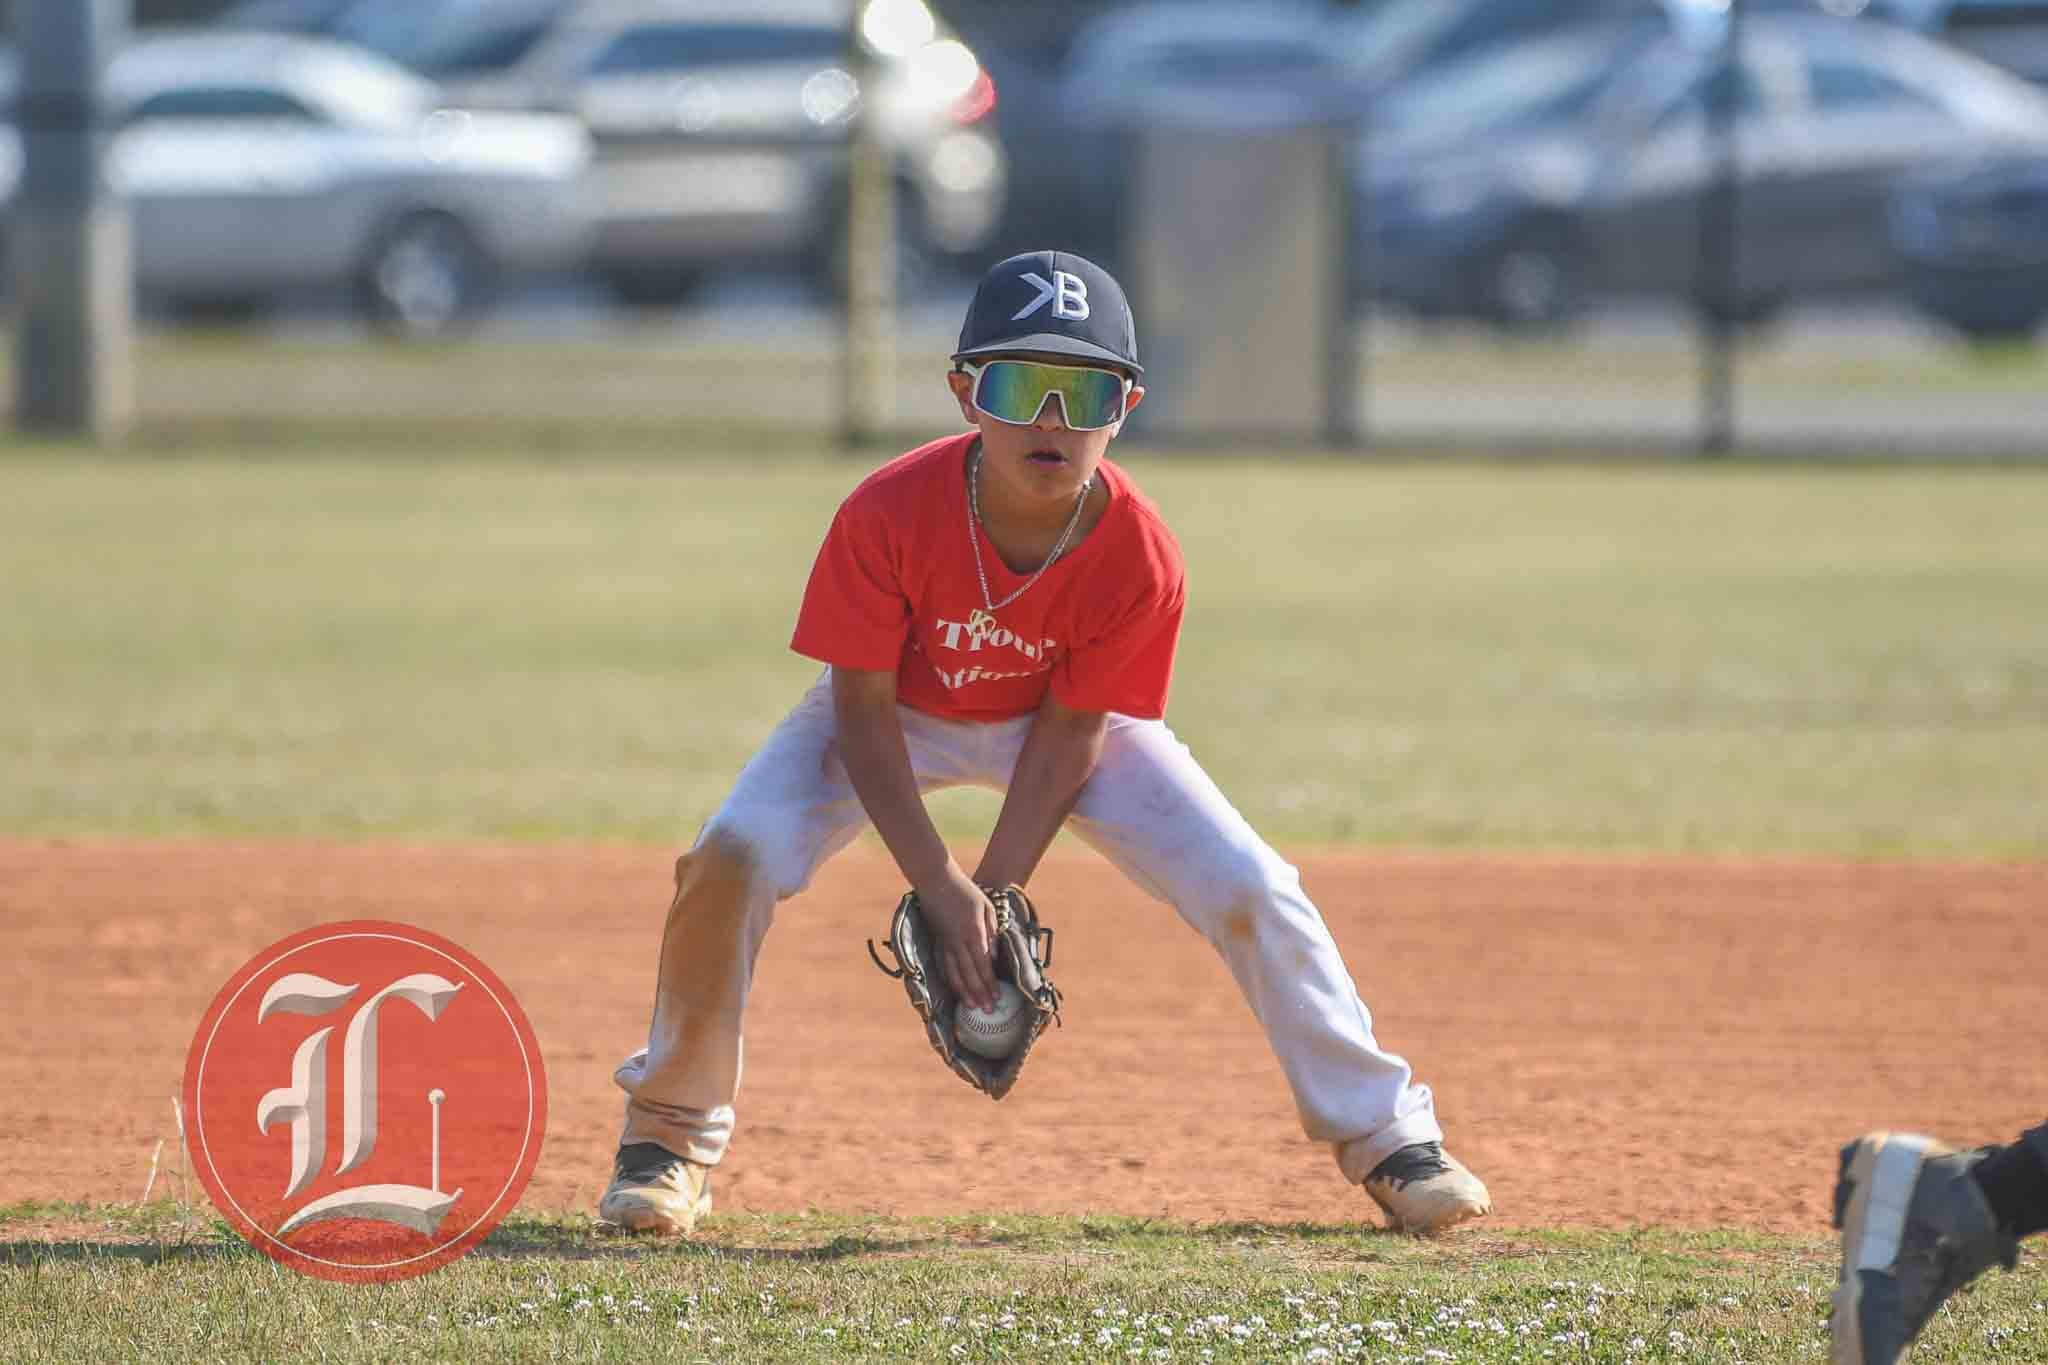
(964, 922)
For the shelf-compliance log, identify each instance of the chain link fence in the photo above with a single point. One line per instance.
(1766, 245)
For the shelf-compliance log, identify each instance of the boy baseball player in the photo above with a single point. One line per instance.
(1001, 608)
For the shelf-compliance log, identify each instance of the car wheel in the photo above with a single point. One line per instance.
(1753, 313)
(424, 276)
(206, 310)
(1537, 283)
(1998, 329)
(651, 286)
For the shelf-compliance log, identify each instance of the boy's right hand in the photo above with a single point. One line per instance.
(960, 915)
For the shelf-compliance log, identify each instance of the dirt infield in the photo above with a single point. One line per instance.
(1611, 1042)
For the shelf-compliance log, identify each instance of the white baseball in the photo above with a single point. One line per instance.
(994, 1032)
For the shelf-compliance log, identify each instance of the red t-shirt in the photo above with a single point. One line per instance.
(894, 586)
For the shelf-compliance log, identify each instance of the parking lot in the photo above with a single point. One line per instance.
(1525, 239)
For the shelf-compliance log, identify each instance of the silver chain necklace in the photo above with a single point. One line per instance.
(974, 524)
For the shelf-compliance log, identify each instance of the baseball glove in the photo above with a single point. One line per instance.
(1023, 953)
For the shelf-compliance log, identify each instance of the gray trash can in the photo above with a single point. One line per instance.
(1237, 257)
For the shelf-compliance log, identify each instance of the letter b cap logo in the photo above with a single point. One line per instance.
(364, 1101)
(1050, 303)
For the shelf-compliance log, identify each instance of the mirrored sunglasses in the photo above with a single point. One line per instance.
(1014, 391)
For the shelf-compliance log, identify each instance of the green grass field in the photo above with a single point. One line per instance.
(821, 1288)
(1654, 657)
(457, 643)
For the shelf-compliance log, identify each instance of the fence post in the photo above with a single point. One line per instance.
(70, 238)
(1720, 244)
(867, 349)
(1343, 351)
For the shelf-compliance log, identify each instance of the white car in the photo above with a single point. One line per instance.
(721, 131)
(259, 165)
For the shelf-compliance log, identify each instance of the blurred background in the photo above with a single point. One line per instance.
(1817, 226)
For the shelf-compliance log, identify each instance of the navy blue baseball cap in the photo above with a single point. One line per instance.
(1054, 302)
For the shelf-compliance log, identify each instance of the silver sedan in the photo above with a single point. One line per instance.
(258, 166)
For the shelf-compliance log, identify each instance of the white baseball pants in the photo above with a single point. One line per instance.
(1148, 808)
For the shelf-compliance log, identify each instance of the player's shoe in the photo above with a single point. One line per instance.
(654, 1190)
(1425, 1189)
(1915, 1229)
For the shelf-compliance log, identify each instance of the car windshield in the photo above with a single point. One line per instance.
(676, 47)
(1941, 77)
(1528, 84)
(1400, 37)
(286, 16)
(1402, 27)
(455, 35)
(1255, 61)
